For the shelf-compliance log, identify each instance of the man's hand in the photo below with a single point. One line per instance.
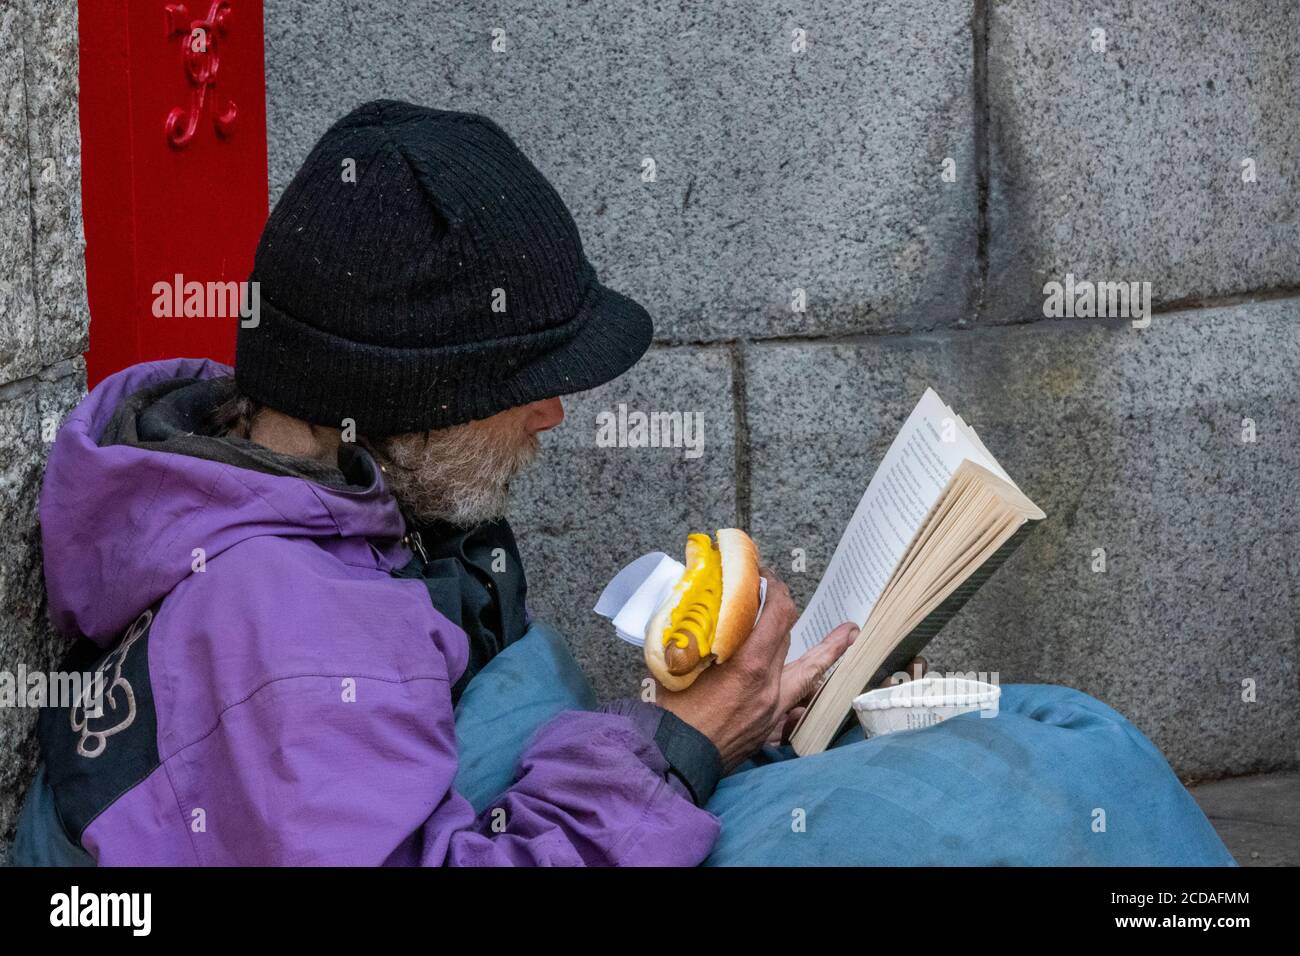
(755, 697)
(748, 701)
(737, 704)
(817, 663)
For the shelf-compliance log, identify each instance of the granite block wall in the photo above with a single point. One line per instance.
(852, 201)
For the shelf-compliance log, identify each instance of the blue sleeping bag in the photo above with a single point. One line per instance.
(1056, 779)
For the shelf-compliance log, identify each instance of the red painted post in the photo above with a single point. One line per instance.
(174, 176)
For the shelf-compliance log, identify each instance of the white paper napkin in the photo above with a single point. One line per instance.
(635, 593)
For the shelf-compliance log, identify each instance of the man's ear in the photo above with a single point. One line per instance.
(293, 436)
(327, 439)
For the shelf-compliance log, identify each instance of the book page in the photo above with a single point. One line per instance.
(910, 480)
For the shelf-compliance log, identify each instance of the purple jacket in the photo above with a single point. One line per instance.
(289, 703)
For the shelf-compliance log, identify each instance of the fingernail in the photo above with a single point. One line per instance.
(853, 634)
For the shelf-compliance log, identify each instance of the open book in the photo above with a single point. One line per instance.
(939, 517)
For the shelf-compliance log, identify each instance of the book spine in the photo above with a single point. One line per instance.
(926, 631)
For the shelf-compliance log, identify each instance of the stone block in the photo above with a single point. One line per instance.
(774, 170)
(1132, 442)
(1129, 164)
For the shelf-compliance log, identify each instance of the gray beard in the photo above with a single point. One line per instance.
(460, 475)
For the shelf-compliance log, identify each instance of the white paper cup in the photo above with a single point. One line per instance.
(922, 703)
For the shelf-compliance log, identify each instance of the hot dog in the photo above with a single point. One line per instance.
(709, 612)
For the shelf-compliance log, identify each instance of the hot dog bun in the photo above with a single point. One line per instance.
(694, 597)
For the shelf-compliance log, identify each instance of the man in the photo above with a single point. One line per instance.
(290, 578)
(294, 648)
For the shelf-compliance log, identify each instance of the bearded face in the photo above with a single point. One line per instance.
(461, 474)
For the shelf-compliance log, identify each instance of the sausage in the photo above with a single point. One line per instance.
(682, 660)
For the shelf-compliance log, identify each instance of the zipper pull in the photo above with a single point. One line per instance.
(413, 541)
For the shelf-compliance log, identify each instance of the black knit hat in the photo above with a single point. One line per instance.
(445, 284)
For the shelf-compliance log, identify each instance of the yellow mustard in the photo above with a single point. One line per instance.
(696, 614)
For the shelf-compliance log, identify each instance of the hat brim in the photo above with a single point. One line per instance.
(613, 333)
(414, 390)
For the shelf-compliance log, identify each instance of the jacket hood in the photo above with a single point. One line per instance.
(135, 494)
